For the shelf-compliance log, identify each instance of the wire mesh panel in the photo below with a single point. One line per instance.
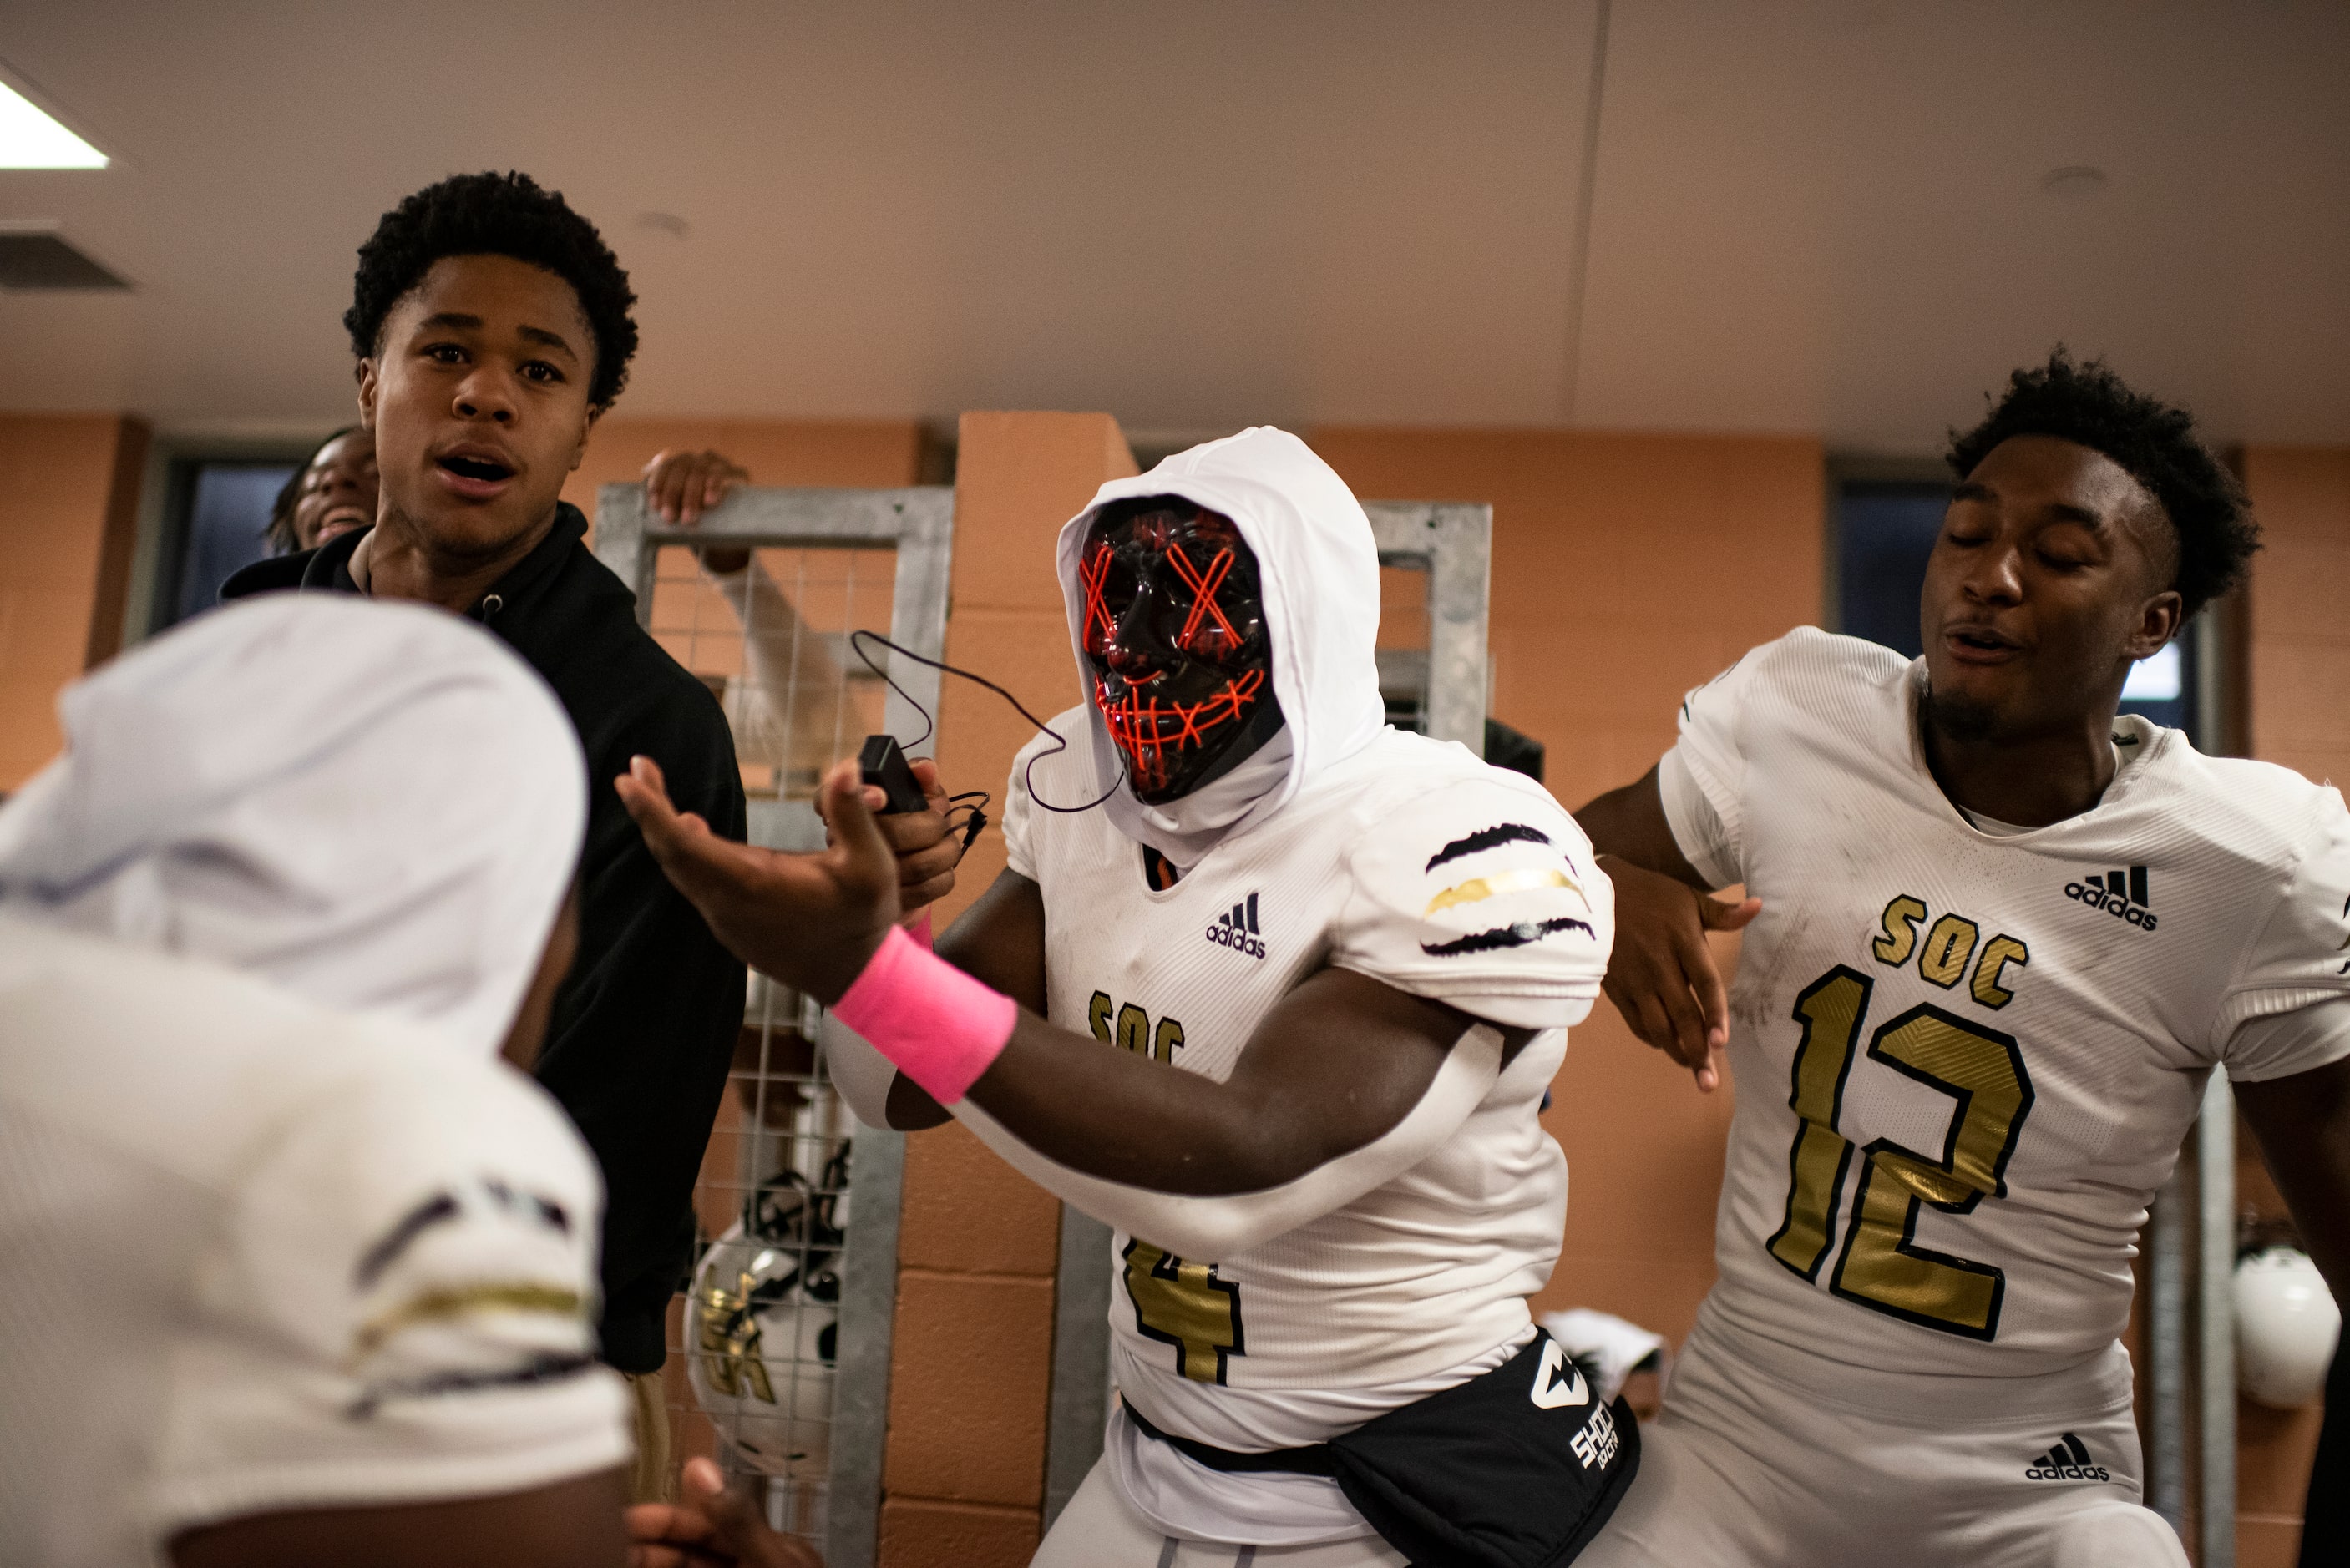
(779, 1340)
(1434, 576)
(771, 639)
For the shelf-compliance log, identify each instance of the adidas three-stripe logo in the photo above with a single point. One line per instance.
(2123, 895)
(1236, 928)
(2068, 1460)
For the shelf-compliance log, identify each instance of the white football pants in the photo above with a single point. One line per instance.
(1098, 1529)
(1742, 1468)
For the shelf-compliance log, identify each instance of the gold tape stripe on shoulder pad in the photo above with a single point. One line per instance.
(433, 1306)
(1480, 887)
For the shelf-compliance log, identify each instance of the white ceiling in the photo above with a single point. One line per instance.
(1809, 216)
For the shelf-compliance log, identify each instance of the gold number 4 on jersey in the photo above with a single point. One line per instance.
(1881, 1267)
(1184, 1304)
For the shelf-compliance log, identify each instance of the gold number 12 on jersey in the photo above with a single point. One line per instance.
(1880, 1266)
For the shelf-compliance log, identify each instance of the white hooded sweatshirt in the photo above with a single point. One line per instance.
(377, 806)
(1320, 573)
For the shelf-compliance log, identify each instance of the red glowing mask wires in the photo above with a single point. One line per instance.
(1145, 731)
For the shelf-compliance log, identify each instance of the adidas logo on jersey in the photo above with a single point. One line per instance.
(2068, 1460)
(1236, 928)
(2122, 895)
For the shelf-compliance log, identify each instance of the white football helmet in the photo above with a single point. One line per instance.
(2286, 1326)
(763, 1326)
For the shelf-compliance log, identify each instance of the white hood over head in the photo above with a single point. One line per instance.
(1320, 571)
(377, 806)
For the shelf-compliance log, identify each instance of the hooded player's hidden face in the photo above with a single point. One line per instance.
(1175, 638)
(2051, 576)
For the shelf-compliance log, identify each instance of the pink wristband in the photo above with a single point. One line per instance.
(919, 927)
(941, 1027)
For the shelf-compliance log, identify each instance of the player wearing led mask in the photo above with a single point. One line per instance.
(1286, 1008)
(1174, 632)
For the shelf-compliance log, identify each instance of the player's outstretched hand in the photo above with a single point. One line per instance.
(710, 1525)
(927, 850)
(680, 486)
(813, 922)
(1661, 975)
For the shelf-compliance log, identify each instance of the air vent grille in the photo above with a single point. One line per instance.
(43, 260)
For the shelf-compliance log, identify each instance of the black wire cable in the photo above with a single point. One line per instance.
(973, 824)
(857, 641)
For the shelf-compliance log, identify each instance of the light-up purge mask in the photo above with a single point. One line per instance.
(1176, 638)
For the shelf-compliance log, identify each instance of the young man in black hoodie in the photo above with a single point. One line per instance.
(491, 328)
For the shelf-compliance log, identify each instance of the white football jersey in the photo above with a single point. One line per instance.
(1966, 1059)
(1411, 863)
(264, 1256)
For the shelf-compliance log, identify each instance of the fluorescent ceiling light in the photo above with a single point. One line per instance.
(31, 140)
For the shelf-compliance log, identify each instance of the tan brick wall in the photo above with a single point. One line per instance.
(68, 505)
(865, 455)
(2298, 684)
(2300, 608)
(957, 1534)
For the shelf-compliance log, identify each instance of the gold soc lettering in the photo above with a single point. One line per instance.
(1947, 947)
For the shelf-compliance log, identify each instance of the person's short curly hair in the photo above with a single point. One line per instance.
(2089, 406)
(500, 215)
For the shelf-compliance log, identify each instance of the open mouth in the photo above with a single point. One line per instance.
(1979, 642)
(480, 470)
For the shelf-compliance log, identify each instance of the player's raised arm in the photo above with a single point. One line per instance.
(1339, 1065)
(1662, 977)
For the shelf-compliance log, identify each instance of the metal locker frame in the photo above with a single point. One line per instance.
(918, 524)
(2191, 1248)
(1452, 543)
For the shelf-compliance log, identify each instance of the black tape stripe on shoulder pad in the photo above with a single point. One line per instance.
(1515, 936)
(1486, 838)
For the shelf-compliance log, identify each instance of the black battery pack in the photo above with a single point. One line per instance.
(885, 767)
